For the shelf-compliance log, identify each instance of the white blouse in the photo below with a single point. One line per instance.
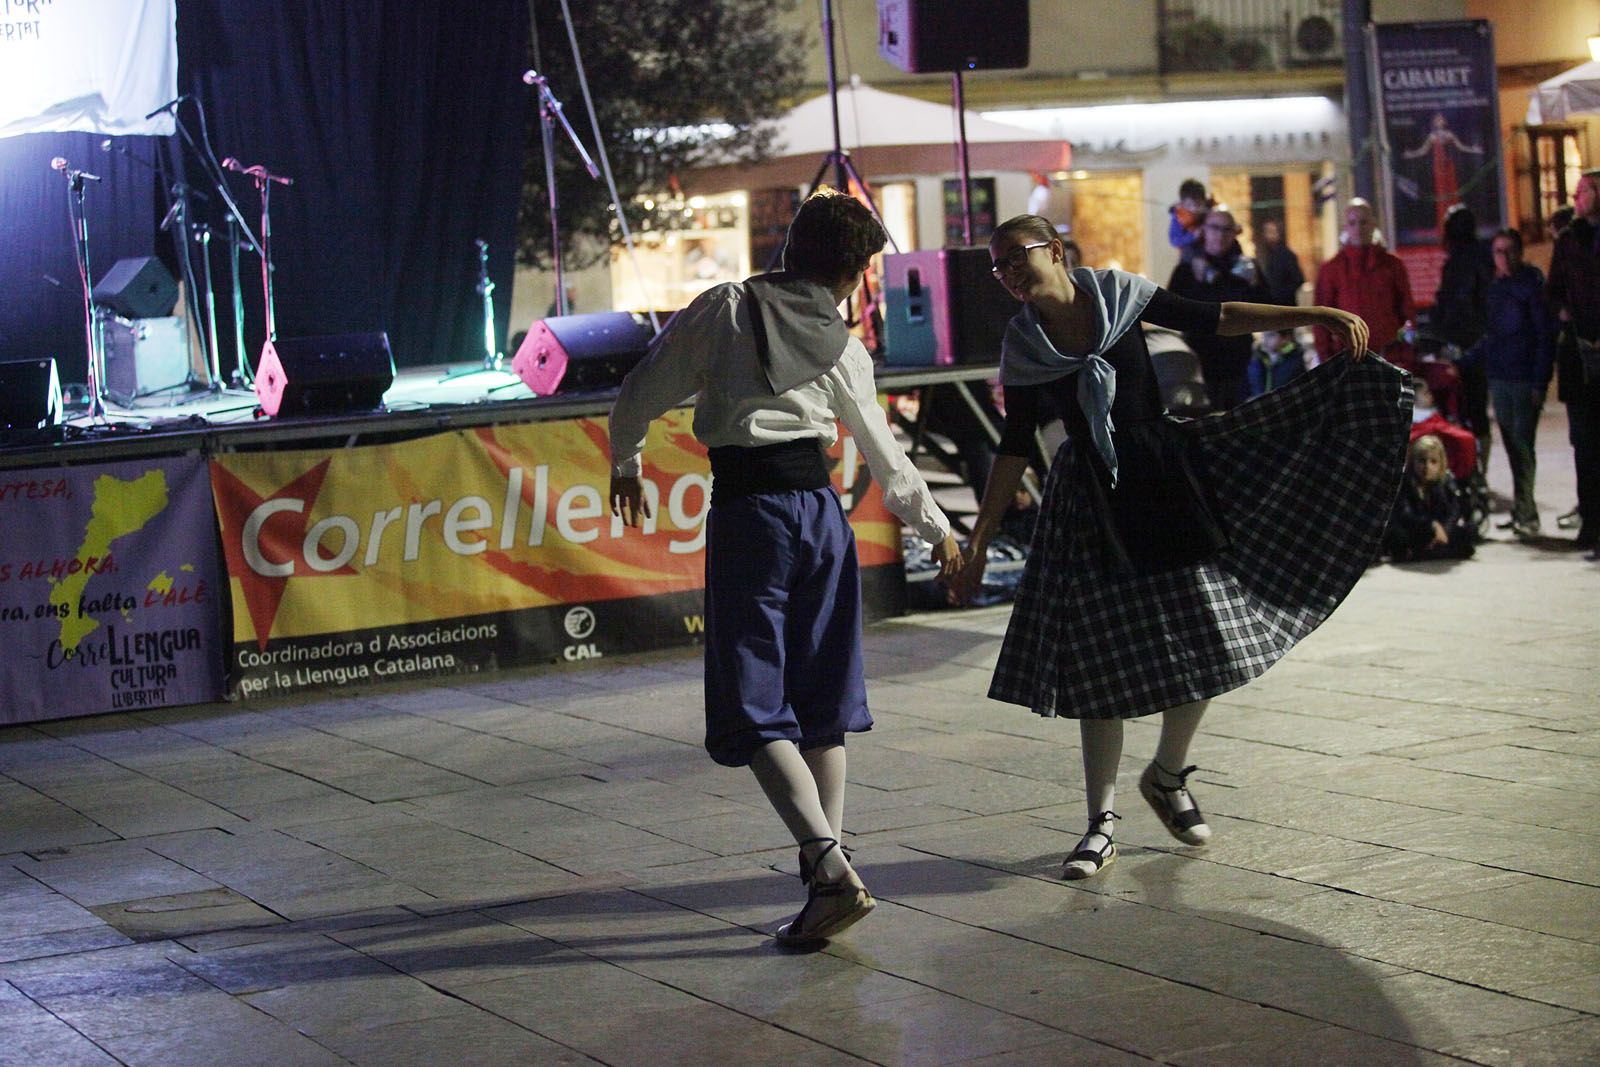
(706, 354)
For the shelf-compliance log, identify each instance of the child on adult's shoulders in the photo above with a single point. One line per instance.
(1187, 216)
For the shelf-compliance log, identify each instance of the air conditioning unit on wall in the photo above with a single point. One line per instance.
(1314, 39)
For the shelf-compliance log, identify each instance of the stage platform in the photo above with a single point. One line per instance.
(422, 399)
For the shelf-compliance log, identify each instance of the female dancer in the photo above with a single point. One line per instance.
(1172, 561)
(773, 367)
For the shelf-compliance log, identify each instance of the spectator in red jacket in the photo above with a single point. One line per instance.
(1365, 279)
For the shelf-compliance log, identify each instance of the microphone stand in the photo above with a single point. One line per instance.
(184, 229)
(78, 216)
(492, 357)
(263, 179)
(550, 113)
(236, 225)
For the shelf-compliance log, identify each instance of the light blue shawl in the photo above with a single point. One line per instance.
(1028, 358)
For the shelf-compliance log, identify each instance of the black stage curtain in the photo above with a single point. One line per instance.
(402, 123)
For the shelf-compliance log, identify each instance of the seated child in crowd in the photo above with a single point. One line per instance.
(1428, 522)
(1275, 359)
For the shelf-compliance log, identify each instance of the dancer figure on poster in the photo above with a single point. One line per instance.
(1438, 143)
(772, 367)
(1172, 561)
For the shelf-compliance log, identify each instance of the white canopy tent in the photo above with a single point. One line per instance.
(1569, 93)
(886, 135)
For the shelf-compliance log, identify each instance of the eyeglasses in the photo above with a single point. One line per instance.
(1014, 259)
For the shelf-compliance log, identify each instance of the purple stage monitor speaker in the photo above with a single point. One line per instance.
(941, 307)
(581, 353)
(941, 36)
(139, 288)
(324, 375)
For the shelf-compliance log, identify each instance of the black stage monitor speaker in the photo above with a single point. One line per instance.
(934, 36)
(324, 375)
(943, 306)
(137, 289)
(30, 397)
(582, 353)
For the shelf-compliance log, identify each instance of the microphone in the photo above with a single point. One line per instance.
(60, 163)
(258, 172)
(168, 106)
(172, 216)
(530, 77)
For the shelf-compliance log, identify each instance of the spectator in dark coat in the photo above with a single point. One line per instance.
(1280, 267)
(1220, 271)
(1458, 312)
(1518, 353)
(1574, 290)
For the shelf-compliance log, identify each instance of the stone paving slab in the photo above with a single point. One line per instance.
(543, 867)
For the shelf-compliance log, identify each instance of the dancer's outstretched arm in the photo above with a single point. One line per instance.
(1239, 317)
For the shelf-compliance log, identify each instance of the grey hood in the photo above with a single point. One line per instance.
(797, 323)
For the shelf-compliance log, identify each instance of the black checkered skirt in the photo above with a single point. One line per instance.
(1303, 479)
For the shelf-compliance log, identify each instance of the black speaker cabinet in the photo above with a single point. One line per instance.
(137, 289)
(324, 375)
(582, 353)
(940, 36)
(30, 397)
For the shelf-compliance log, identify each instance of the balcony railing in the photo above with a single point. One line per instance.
(1243, 35)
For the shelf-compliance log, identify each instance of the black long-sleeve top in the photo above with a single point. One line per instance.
(1159, 514)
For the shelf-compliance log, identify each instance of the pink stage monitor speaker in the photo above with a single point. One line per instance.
(324, 375)
(581, 353)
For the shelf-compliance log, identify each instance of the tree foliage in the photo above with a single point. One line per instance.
(675, 83)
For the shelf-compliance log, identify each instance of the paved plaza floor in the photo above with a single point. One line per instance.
(543, 867)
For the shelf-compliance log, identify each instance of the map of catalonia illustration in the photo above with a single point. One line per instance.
(120, 508)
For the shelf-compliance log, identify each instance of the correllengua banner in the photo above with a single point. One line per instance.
(109, 589)
(1439, 118)
(96, 66)
(470, 551)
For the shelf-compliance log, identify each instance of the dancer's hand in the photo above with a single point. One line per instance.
(1347, 328)
(948, 555)
(965, 585)
(627, 499)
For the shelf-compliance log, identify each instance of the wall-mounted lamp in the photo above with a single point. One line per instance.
(1594, 47)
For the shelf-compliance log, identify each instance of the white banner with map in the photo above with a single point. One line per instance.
(109, 589)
